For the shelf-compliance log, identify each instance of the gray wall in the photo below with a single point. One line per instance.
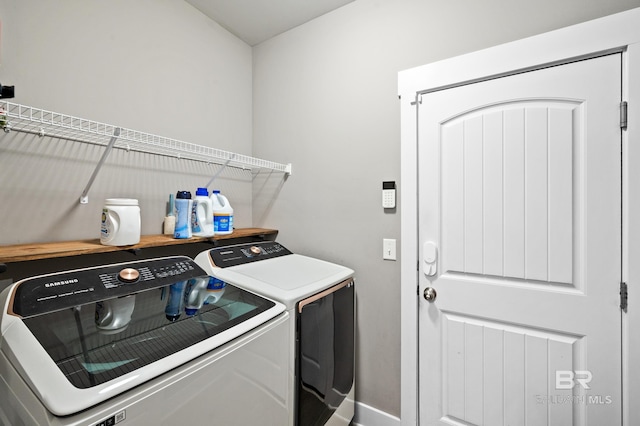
(325, 100)
(157, 66)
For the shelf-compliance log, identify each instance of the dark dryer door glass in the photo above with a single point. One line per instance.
(325, 353)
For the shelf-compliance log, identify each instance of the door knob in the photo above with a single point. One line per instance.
(429, 294)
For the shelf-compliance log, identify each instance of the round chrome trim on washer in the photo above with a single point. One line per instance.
(128, 275)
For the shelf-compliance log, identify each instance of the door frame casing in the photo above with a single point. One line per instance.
(615, 33)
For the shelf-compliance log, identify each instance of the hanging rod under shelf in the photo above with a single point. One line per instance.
(41, 122)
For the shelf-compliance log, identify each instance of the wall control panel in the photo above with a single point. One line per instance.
(389, 195)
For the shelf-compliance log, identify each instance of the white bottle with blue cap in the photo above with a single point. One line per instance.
(195, 295)
(202, 214)
(222, 214)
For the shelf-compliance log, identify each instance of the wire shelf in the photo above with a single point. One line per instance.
(41, 122)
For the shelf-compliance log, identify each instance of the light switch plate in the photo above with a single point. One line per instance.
(389, 249)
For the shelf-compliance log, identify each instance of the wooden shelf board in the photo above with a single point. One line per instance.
(22, 252)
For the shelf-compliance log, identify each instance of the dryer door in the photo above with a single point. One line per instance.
(325, 352)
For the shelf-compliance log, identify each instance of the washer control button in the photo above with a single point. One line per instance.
(255, 250)
(128, 275)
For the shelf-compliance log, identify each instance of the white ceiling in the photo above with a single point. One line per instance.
(255, 21)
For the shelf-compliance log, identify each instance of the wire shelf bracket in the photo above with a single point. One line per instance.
(84, 198)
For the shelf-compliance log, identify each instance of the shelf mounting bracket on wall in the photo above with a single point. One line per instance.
(84, 198)
(224, 166)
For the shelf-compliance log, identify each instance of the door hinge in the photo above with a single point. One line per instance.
(623, 115)
(624, 296)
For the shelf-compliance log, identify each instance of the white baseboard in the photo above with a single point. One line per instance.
(369, 416)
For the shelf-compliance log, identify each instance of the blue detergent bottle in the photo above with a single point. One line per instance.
(184, 207)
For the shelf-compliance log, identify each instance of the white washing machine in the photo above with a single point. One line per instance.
(320, 298)
(147, 342)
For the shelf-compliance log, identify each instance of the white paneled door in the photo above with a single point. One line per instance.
(520, 249)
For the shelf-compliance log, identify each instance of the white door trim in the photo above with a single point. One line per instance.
(619, 32)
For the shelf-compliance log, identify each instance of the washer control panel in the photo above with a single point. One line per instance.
(225, 257)
(38, 295)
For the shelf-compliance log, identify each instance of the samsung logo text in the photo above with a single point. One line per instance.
(59, 283)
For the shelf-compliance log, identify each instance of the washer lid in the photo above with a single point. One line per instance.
(287, 279)
(119, 335)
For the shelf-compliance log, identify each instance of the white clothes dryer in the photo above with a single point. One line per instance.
(320, 298)
(147, 342)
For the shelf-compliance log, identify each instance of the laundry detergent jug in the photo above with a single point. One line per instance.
(222, 214)
(202, 214)
(120, 222)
